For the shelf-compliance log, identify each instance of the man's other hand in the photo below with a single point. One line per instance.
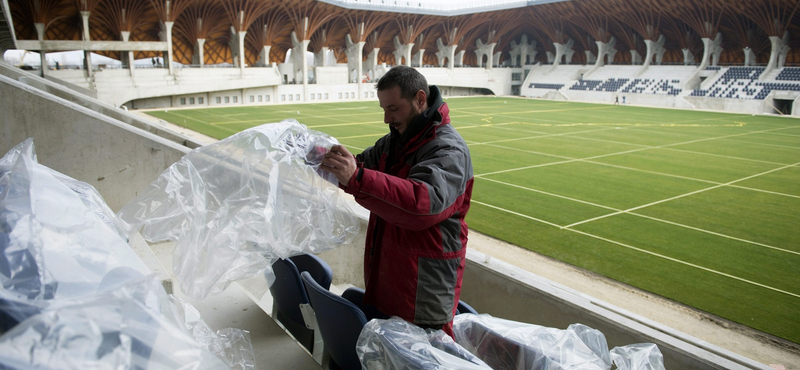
(340, 162)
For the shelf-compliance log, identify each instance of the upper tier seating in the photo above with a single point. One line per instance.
(789, 74)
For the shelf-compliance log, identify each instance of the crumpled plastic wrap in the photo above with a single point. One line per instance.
(52, 246)
(119, 329)
(236, 206)
(395, 344)
(640, 356)
(74, 295)
(505, 344)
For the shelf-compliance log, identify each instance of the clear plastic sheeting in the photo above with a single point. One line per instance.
(236, 206)
(505, 344)
(642, 356)
(395, 344)
(52, 245)
(74, 295)
(119, 329)
(231, 345)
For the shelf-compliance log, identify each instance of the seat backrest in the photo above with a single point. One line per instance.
(340, 323)
(463, 307)
(288, 291)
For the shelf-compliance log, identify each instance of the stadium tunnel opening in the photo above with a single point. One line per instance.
(783, 106)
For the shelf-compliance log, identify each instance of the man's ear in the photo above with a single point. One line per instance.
(421, 99)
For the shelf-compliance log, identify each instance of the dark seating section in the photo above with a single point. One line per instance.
(742, 83)
(789, 74)
(288, 293)
(610, 85)
(653, 86)
(535, 85)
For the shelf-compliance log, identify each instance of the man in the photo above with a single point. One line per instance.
(416, 182)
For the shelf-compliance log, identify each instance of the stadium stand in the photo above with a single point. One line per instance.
(745, 83)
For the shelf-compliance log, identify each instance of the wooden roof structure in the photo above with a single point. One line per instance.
(683, 23)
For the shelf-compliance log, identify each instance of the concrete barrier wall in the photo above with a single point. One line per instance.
(114, 157)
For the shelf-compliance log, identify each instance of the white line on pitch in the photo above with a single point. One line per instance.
(644, 216)
(645, 251)
(681, 196)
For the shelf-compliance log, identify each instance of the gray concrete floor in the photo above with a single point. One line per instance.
(234, 308)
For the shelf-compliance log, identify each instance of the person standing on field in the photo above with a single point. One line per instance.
(416, 181)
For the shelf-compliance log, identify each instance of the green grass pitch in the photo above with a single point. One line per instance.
(702, 208)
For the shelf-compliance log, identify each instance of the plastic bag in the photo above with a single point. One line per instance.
(397, 345)
(505, 344)
(642, 356)
(52, 245)
(236, 206)
(119, 329)
(74, 295)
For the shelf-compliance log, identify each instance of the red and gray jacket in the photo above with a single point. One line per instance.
(417, 187)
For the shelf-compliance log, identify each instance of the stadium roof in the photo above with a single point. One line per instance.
(437, 7)
(268, 24)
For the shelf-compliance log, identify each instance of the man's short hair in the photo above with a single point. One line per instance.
(409, 80)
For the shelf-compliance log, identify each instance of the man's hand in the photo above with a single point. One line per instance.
(340, 162)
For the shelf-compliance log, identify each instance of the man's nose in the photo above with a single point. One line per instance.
(386, 118)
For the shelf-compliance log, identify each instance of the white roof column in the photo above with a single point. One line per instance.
(603, 49)
(688, 57)
(299, 61)
(372, 63)
(635, 57)
(459, 57)
(355, 61)
(42, 53)
(418, 57)
(487, 50)
(777, 56)
(240, 41)
(321, 58)
(166, 35)
(654, 48)
(711, 47)
(198, 56)
(522, 50)
(402, 51)
(87, 54)
(749, 56)
(590, 57)
(496, 58)
(127, 56)
(448, 52)
(563, 50)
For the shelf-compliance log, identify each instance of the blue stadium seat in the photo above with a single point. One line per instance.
(288, 293)
(340, 322)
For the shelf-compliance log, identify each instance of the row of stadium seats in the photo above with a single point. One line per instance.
(546, 86)
(789, 74)
(636, 86)
(610, 85)
(651, 86)
(741, 83)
